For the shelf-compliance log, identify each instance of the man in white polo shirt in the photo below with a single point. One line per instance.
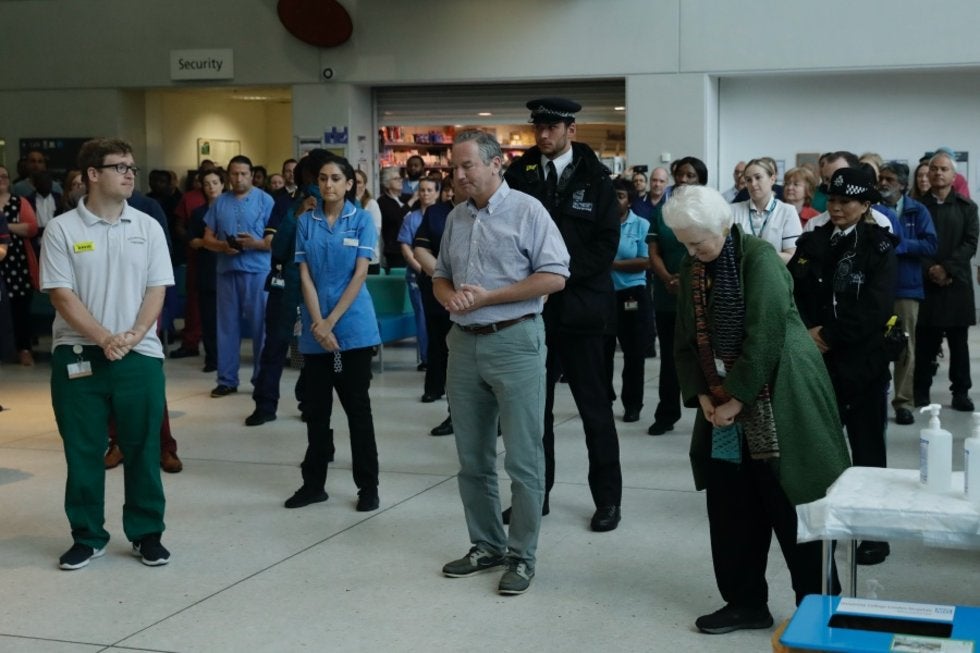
(106, 266)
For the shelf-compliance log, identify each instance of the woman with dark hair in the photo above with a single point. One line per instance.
(920, 181)
(19, 269)
(428, 193)
(767, 436)
(689, 171)
(665, 260)
(334, 244)
(284, 291)
(844, 275)
(367, 202)
(632, 299)
(74, 189)
(214, 181)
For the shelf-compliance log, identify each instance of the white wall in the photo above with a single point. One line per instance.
(672, 115)
(669, 51)
(720, 36)
(898, 115)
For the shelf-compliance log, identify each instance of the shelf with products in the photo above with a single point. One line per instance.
(434, 142)
(396, 144)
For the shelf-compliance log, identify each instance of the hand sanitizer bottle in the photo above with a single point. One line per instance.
(971, 462)
(935, 453)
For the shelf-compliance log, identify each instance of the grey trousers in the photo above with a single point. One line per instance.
(490, 377)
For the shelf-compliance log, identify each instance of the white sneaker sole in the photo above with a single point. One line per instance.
(97, 553)
(150, 563)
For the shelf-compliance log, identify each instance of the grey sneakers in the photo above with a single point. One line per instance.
(517, 578)
(475, 562)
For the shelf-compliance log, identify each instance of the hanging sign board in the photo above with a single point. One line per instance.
(202, 64)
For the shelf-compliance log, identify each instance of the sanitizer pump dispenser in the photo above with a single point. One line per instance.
(935, 453)
(971, 462)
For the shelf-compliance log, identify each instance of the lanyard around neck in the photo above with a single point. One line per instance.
(770, 207)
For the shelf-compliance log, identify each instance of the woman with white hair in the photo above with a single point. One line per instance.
(767, 436)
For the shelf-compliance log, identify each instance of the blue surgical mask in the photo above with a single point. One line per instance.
(314, 190)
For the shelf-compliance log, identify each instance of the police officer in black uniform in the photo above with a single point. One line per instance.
(575, 187)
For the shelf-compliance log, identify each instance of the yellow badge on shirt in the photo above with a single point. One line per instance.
(87, 246)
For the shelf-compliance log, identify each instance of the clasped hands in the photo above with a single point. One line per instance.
(939, 276)
(723, 415)
(322, 332)
(117, 345)
(467, 298)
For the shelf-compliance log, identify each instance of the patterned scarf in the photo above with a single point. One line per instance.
(721, 338)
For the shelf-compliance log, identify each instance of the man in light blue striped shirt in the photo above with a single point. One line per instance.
(501, 254)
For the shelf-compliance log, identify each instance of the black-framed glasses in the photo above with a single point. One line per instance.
(121, 168)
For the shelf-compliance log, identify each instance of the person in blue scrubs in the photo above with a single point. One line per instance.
(334, 244)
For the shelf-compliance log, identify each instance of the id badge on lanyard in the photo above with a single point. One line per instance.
(80, 368)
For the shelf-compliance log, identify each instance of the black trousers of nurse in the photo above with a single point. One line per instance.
(632, 332)
(352, 383)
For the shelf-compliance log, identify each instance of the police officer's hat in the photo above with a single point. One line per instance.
(550, 110)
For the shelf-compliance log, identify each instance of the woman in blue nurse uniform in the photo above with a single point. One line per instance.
(334, 245)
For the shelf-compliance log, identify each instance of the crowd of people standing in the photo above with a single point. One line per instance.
(521, 274)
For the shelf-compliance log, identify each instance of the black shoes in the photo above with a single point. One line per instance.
(367, 500)
(963, 403)
(904, 416)
(545, 509)
(305, 496)
(446, 428)
(606, 518)
(429, 397)
(209, 367)
(258, 418)
(631, 415)
(223, 391)
(150, 552)
(78, 556)
(659, 428)
(422, 367)
(872, 553)
(184, 353)
(730, 618)
(921, 400)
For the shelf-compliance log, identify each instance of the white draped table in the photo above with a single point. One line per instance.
(873, 503)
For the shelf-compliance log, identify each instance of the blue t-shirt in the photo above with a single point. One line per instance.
(632, 244)
(330, 254)
(429, 233)
(406, 235)
(230, 216)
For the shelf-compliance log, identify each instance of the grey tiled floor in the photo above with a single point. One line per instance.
(247, 575)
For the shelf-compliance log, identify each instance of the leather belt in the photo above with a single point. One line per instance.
(494, 327)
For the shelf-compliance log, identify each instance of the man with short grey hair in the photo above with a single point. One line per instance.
(501, 254)
(948, 308)
(918, 241)
(393, 211)
(739, 182)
